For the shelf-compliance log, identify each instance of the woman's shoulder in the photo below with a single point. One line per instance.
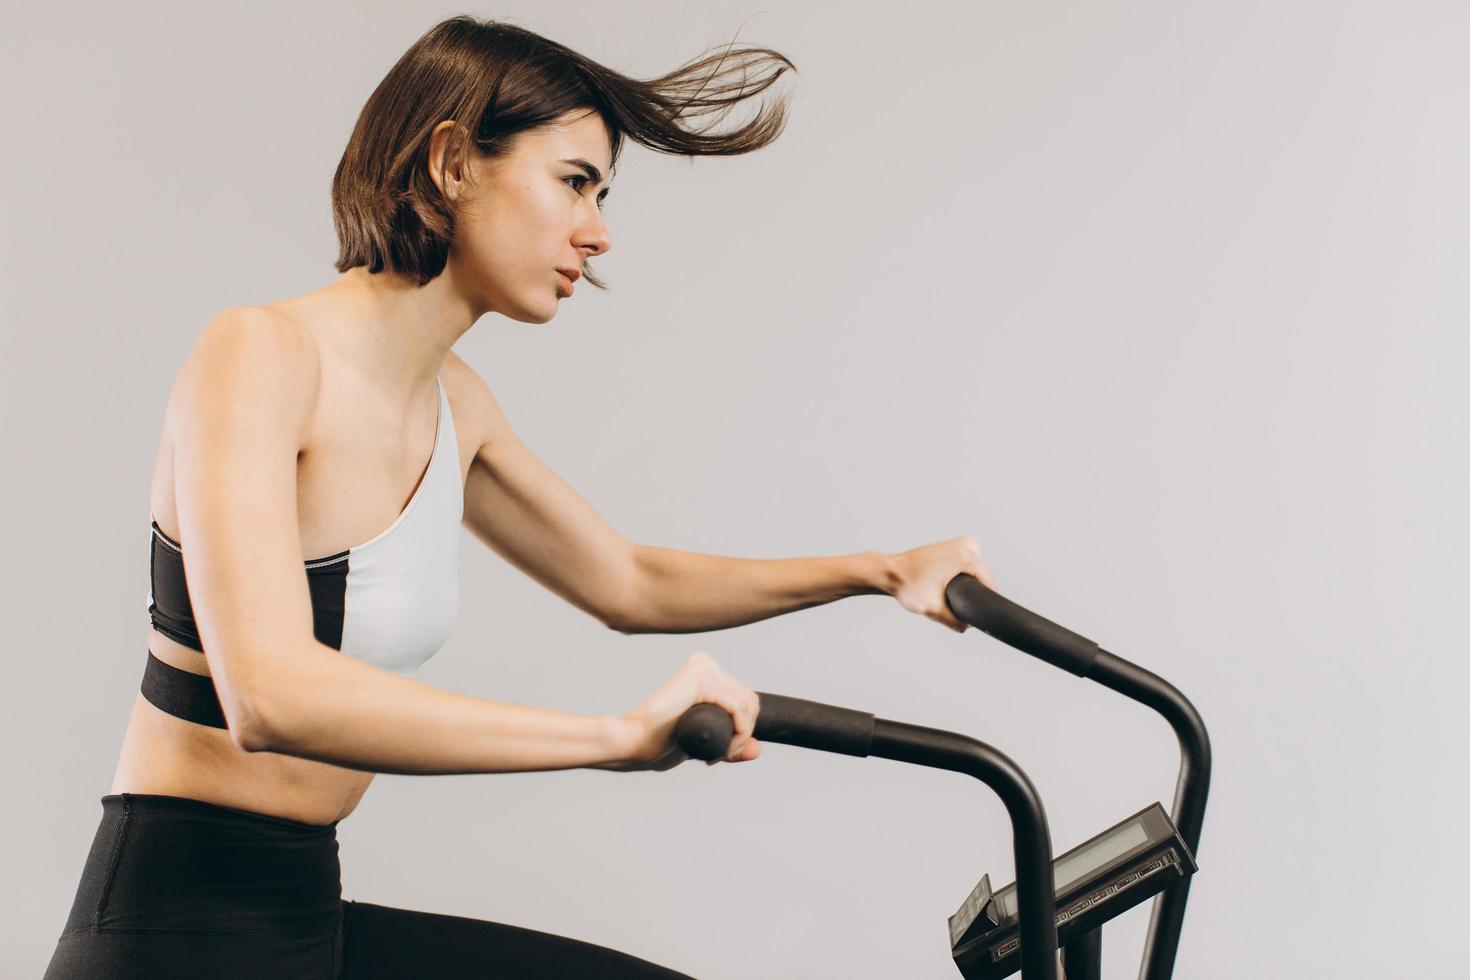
(263, 328)
(462, 382)
(246, 354)
(473, 403)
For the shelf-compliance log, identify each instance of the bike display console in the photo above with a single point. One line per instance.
(1095, 881)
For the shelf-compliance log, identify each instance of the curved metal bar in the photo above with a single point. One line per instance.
(1191, 792)
(988, 611)
(704, 731)
(1036, 897)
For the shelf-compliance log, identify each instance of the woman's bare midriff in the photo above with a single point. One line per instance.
(349, 487)
(166, 755)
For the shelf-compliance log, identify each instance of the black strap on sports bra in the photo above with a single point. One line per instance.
(182, 694)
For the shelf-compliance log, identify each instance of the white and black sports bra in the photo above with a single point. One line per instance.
(390, 601)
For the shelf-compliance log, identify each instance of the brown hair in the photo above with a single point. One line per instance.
(390, 214)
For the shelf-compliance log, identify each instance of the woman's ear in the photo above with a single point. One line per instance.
(446, 174)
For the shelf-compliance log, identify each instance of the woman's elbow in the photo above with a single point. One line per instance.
(247, 720)
(249, 731)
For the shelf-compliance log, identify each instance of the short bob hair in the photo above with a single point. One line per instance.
(388, 212)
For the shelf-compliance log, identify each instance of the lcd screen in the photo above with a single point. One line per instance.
(1082, 862)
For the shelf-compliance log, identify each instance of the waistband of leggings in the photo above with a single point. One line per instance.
(155, 802)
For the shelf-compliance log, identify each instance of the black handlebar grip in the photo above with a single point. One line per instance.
(704, 731)
(990, 612)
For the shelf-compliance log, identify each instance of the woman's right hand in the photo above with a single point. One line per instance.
(652, 723)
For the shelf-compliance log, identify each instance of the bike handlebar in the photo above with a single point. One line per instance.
(990, 612)
(704, 731)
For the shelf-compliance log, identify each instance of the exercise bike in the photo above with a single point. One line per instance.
(1053, 904)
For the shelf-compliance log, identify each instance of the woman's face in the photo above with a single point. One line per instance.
(528, 214)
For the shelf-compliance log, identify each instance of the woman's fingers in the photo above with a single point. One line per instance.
(742, 704)
(924, 573)
(749, 752)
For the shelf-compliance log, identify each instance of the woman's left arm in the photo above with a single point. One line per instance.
(685, 592)
(516, 505)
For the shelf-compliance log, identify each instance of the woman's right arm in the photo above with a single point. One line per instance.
(238, 416)
(339, 710)
(334, 709)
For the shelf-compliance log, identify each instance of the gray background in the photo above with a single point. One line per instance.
(1161, 301)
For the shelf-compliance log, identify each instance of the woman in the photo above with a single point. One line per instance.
(471, 184)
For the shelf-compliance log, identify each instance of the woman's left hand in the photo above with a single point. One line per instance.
(919, 577)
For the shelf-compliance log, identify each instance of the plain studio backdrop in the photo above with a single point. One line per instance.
(1163, 302)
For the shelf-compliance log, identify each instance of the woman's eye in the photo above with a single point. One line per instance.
(577, 181)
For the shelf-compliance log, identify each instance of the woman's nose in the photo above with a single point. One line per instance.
(593, 235)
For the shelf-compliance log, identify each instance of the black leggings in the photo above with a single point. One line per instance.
(181, 888)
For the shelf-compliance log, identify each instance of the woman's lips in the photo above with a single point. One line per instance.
(566, 283)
